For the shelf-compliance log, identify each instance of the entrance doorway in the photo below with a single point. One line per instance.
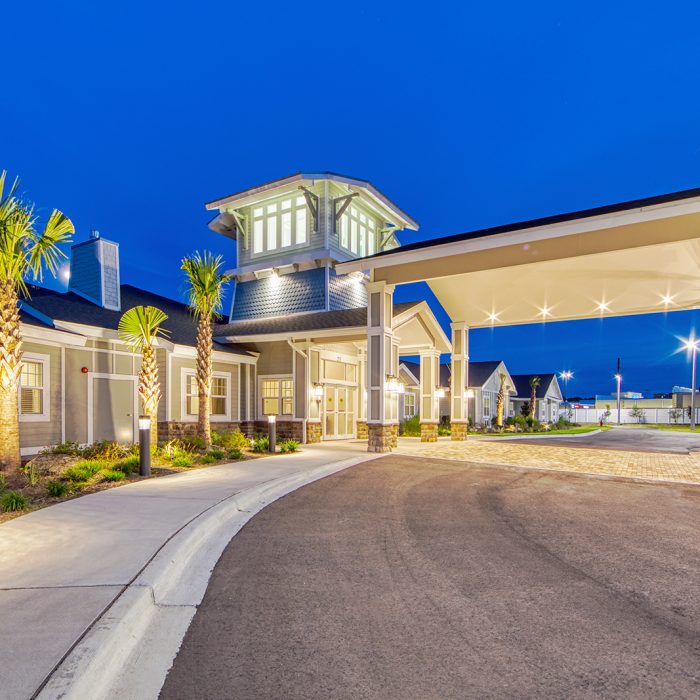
(339, 412)
(112, 402)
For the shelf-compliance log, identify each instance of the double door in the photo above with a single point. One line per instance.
(338, 412)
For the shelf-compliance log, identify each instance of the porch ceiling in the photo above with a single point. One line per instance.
(630, 261)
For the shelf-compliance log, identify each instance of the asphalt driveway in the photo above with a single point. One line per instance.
(411, 578)
(634, 439)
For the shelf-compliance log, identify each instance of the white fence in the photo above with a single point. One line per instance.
(668, 416)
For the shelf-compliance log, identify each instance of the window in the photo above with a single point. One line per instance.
(277, 397)
(487, 406)
(33, 388)
(358, 232)
(280, 225)
(409, 404)
(218, 395)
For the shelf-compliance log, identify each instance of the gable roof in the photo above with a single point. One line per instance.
(314, 321)
(547, 220)
(72, 308)
(522, 385)
(445, 371)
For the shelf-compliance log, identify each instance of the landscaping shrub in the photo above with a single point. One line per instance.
(65, 448)
(235, 439)
(289, 446)
(207, 459)
(193, 443)
(444, 428)
(106, 451)
(83, 471)
(3, 483)
(175, 448)
(217, 454)
(235, 453)
(128, 465)
(32, 474)
(13, 501)
(113, 475)
(520, 422)
(261, 443)
(182, 461)
(410, 427)
(56, 488)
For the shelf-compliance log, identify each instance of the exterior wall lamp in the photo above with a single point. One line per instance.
(393, 385)
(439, 392)
(317, 391)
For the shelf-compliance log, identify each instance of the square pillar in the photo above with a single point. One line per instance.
(313, 415)
(361, 422)
(382, 362)
(429, 401)
(459, 403)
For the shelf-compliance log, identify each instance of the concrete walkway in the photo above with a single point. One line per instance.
(650, 466)
(62, 567)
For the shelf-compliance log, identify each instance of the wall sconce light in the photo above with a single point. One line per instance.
(317, 391)
(439, 392)
(392, 384)
(469, 394)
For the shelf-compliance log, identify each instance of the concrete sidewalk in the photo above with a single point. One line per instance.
(62, 567)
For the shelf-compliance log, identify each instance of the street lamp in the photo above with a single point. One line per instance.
(144, 446)
(272, 432)
(618, 378)
(565, 376)
(692, 344)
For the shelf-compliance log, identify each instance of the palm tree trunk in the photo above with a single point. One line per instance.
(149, 388)
(533, 404)
(10, 369)
(204, 372)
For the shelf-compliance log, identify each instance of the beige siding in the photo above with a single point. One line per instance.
(43, 433)
(275, 358)
(76, 393)
(162, 360)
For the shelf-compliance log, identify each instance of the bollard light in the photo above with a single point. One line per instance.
(272, 432)
(144, 446)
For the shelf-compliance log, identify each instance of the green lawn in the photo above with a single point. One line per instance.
(673, 426)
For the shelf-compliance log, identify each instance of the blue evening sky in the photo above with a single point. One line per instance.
(129, 116)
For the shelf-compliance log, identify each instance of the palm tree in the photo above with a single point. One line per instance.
(138, 328)
(534, 383)
(24, 253)
(205, 283)
(500, 399)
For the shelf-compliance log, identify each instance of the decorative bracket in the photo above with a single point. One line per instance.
(346, 199)
(312, 203)
(387, 233)
(242, 226)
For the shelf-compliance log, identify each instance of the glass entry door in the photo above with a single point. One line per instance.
(339, 412)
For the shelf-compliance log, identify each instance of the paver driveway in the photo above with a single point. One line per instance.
(412, 578)
(680, 467)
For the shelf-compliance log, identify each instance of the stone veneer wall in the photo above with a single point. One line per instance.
(361, 430)
(286, 430)
(175, 429)
(428, 432)
(313, 432)
(381, 438)
(459, 431)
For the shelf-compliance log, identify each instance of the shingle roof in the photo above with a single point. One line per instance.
(71, 308)
(315, 321)
(522, 385)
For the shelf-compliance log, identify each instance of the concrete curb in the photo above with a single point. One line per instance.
(486, 438)
(128, 651)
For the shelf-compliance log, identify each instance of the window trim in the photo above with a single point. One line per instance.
(412, 395)
(346, 223)
(45, 415)
(259, 399)
(188, 417)
(296, 206)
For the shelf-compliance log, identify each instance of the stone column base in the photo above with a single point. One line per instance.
(459, 431)
(361, 430)
(381, 438)
(428, 432)
(313, 432)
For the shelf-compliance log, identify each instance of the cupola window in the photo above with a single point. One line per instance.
(358, 232)
(280, 225)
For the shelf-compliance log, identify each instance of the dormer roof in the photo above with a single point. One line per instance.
(224, 223)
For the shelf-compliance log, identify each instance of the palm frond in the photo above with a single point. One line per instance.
(205, 283)
(141, 325)
(43, 249)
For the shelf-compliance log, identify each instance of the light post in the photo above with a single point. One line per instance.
(272, 432)
(692, 344)
(144, 446)
(618, 378)
(565, 376)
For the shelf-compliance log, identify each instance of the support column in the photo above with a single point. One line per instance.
(361, 424)
(313, 419)
(459, 403)
(429, 401)
(382, 362)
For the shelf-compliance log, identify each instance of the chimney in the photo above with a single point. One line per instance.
(94, 271)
